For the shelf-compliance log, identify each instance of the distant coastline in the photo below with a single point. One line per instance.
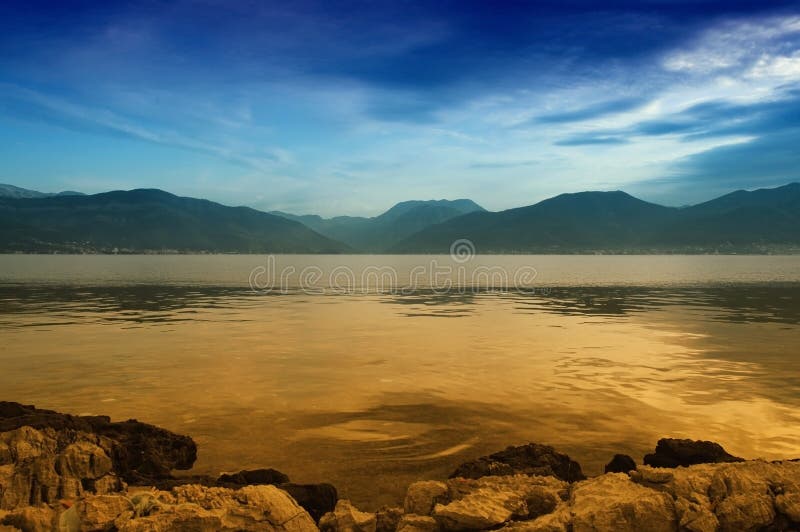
(151, 221)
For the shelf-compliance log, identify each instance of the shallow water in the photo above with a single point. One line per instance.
(371, 388)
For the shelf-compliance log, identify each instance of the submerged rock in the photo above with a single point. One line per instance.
(621, 463)
(671, 452)
(530, 459)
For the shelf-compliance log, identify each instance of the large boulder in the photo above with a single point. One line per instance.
(422, 496)
(42, 466)
(530, 459)
(488, 502)
(741, 496)
(140, 453)
(613, 502)
(317, 499)
(671, 452)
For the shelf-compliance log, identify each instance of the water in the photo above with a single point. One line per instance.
(375, 386)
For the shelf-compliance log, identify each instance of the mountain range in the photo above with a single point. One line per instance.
(384, 231)
(151, 220)
(588, 222)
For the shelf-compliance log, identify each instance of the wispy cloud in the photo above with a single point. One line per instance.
(29, 105)
(589, 112)
(502, 164)
(589, 139)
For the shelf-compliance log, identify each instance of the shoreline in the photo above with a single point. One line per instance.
(88, 472)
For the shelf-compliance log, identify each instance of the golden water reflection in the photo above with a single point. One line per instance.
(373, 391)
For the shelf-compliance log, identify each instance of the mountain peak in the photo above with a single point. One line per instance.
(462, 206)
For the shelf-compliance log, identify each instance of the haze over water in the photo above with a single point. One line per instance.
(370, 389)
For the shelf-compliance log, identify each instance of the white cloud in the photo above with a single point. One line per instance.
(781, 66)
(732, 45)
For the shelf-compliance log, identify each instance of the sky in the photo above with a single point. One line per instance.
(338, 108)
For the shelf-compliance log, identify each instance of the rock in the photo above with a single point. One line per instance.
(672, 452)
(654, 475)
(189, 517)
(613, 502)
(417, 523)
(388, 518)
(346, 518)
(621, 463)
(695, 517)
(491, 501)
(422, 496)
(743, 497)
(789, 505)
(750, 495)
(478, 513)
(190, 507)
(99, 512)
(281, 510)
(558, 521)
(32, 519)
(202, 508)
(530, 459)
(43, 466)
(255, 476)
(744, 513)
(317, 499)
(140, 453)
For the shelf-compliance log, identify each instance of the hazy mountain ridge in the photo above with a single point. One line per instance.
(381, 232)
(149, 220)
(11, 191)
(615, 222)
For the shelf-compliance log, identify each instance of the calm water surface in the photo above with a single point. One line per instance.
(373, 389)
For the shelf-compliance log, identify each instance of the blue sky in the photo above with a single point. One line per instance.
(348, 107)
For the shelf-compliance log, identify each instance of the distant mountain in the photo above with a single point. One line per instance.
(740, 220)
(149, 220)
(10, 191)
(381, 232)
(758, 221)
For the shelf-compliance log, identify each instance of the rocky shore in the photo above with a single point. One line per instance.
(80, 473)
